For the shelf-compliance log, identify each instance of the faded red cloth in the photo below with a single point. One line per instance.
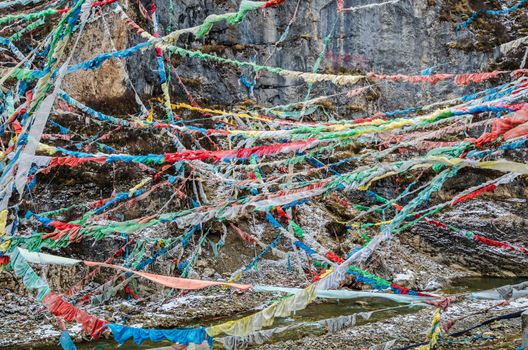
(237, 153)
(94, 4)
(170, 281)
(471, 195)
(101, 3)
(63, 229)
(129, 291)
(335, 258)
(521, 130)
(519, 72)
(465, 79)
(56, 136)
(492, 242)
(364, 120)
(503, 245)
(272, 3)
(522, 87)
(516, 107)
(438, 224)
(282, 213)
(341, 201)
(442, 303)
(402, 290)
(501, 126)
(72, 162)
(358, 91)
(4, 260)
(17, 127)
(317, 277)
(397, 206)
(244, 235)
(61, 308)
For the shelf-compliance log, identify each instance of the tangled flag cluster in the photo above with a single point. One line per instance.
(265, 161)
(505, 10)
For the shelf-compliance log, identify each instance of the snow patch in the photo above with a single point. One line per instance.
(48, 331)
(407, 276)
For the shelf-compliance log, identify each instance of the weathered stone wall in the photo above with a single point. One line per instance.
(406, 37)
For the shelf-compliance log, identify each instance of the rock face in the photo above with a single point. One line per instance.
(495, 218)
(102, 87)
(405, 37)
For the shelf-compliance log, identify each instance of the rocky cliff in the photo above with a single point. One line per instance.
(409, 37)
